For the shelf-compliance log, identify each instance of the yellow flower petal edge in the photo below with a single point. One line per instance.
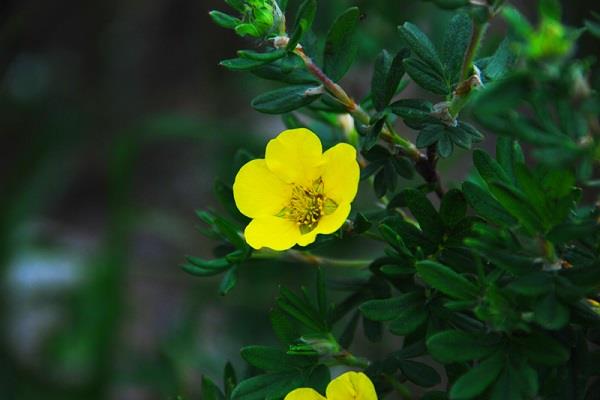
(348, 386)
(351, 386)
(296, 191)
(304, 394)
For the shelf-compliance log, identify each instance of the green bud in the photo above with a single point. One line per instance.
(550, 40)
(258, 18)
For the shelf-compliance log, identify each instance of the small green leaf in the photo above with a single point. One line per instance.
(456, 346)
(284, 100)
(304, 19)
(419, 373)
(340, 45)
(508, 154)
(543, 350)
(224, 20)
(272, 359)
(486, 206)
(412, 110)
(551, 313)
(428, 218)
(210, 391)
(429, 135)
(478, 378)
(272, 385)
(241, 64)
(456, 41)
(228, 282)
(489, 169)
(420, 44)
(410, 318)
(387, 74)
(453, 207)
(446, 280)
(265, 57)
(425, 76)
(388, 309)
(518, 205)
(445, 146)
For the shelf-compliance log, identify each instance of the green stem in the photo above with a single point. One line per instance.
(307, 258)
(355, 109)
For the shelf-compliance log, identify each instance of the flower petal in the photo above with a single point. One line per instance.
(304, 394)
(295, 156)
(341, 173)
(351, 386)
(272, 232)
(258, 191)
(334, 221)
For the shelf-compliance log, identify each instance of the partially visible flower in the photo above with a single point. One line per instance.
(258, 18)
(296, 191)
(348, 386)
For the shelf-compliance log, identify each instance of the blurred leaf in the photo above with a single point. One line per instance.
(453, 207)
(485, 205)
(224, 20)
(419, 373)
(304, 19)
(210, 391)
(477, 379)
(229, 281)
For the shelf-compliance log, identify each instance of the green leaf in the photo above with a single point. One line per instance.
(229, 281)
(241, 64)
(446, 280)
(534, 284)
(486, 206)
(551, 313)
(210, 391)
(445, 146)
(507, 386)
(489, 169)
(543, 350)
(283, 328)
(224, 20)
(456, 346)
(388, 309)
(229, 379)
(290, 69)
(266, 386)
(456, 41)
(304, 19)
(373, 330)
(412, 110)
(274, 360)
(284, 100)
(478, 378)
(420, 44)
(428, 218)
(387, 74)
(410, 318)
(501, 61)
(518, 205)
(453, 207)
(425, 76)
(199, 267)
(419, 373)
(429, 135)
(508, 154)
(340, 45)
(265, 57)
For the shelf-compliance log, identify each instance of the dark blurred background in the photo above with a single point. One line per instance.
(115, 120)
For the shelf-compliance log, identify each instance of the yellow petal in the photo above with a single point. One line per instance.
(351, 386)
(258, 191)
(341, 173)
(272, 232)
(295, 156)
(334, 221)
(304, 394)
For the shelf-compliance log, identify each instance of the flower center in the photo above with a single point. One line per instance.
(308, 205)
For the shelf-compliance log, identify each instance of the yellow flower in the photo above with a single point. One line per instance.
(296, 191)
(348, 386)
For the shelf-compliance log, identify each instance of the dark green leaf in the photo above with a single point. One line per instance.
(273, 359)
(304, 19)
(456, 41)
(419, 373)
(446, 280)
(420, 44)
(224, 20)
(388, 309)
(228, 282)
(478, 378)
(410, 318)
(265, 57)
(425, 76)
(543, 350)
(508, 154)
(485, 205)
(551, 313)
(241, 64)
(445, 146)
(456, 346)
(453, 207)
(265, 386)
(340, 46)
(284, 100)
(489, 169)
(210, 391)
(429, 135)
(387, 74)
(428, 218)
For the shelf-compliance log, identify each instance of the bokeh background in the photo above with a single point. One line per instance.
(115, 120)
